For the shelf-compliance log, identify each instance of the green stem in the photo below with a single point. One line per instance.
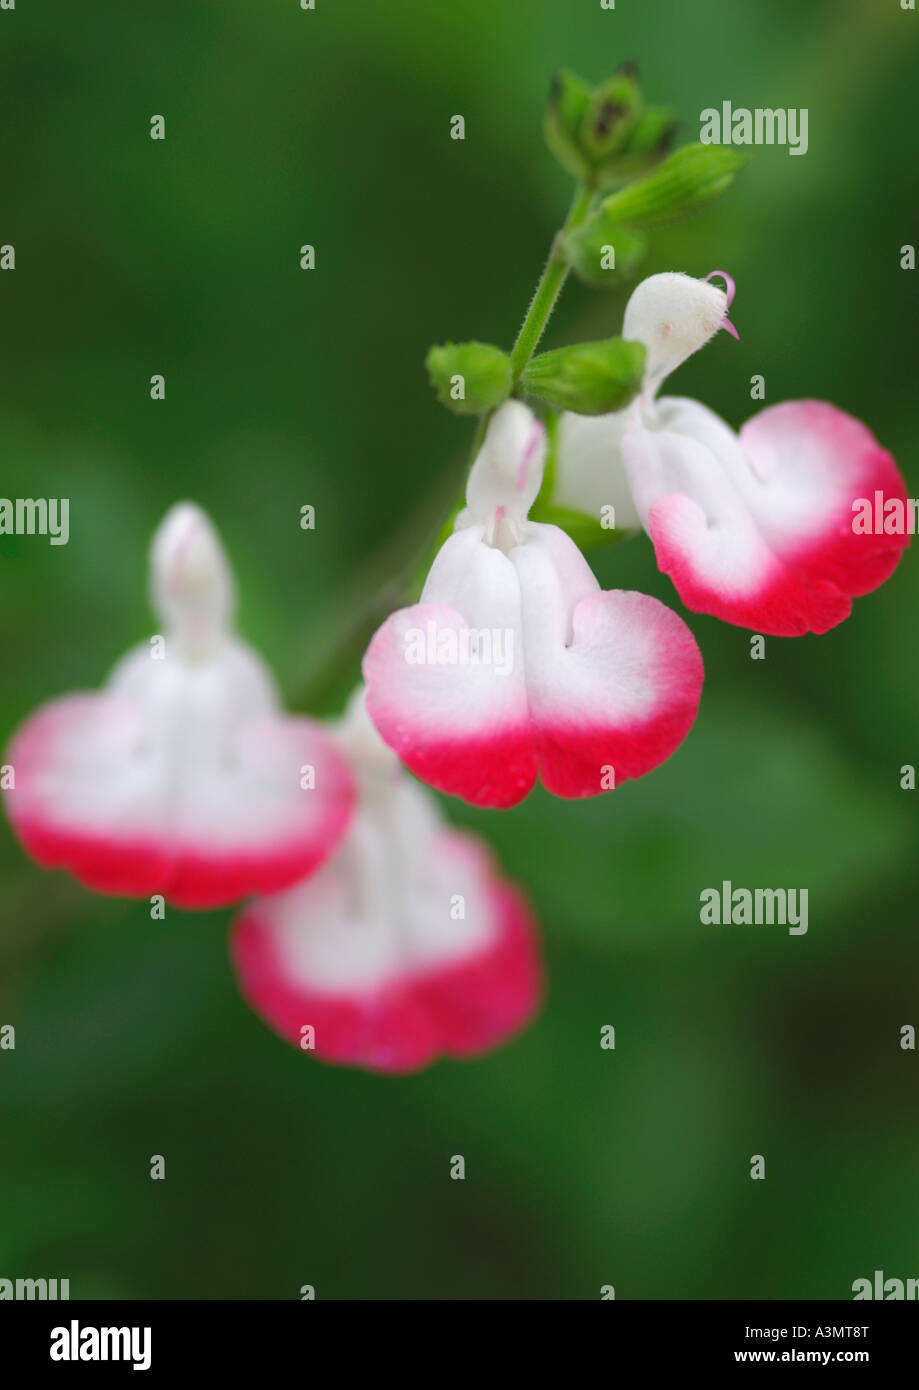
(543, 302)
(549, 287)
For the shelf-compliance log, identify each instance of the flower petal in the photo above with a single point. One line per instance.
(455, 712)
(381, 970)
(758, 529)
(95, 794)
(603, 686)
(589, 470)
(613, 678)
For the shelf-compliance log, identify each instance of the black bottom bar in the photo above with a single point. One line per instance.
(161, 1338)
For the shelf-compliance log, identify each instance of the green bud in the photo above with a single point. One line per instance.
(650, 139)
(601, 134)
(685, 183)
(610, 118)
(569, 102)
(603, 255)
(469, 378)
(587, 128)
(589, 378)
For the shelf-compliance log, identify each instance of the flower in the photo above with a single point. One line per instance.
(758, 528)
(182, 776)
(515, 662)
(405, 946)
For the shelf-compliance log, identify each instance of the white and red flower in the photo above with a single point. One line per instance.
(405, 946)
(758, 527)
(182, 776)
(514, 662)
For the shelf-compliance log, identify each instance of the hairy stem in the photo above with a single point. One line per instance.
(548, 289)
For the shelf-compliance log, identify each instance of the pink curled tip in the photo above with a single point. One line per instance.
(536, 435)
(726, 323)
(729, 285)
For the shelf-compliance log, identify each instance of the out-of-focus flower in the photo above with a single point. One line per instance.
(515, 662)
(182, 776)
(405, 946)
(763, 528)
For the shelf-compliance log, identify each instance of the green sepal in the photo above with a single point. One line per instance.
(603, 135)
(469, 378)
(604, 256)
(588, 128)
(685, 183)
(609, 120)
(588, 378)
(569, 102)
(650, 139)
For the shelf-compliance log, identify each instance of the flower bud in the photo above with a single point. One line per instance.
(685, 183)
(569, 101)
(674, 315)
(588, 378)
(601, 134)
(603, 256)
(191, 586)
(508, 470)
(469, 378)
(610, 118)
(650, 139)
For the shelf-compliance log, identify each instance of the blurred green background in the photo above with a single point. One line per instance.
(134, 257)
